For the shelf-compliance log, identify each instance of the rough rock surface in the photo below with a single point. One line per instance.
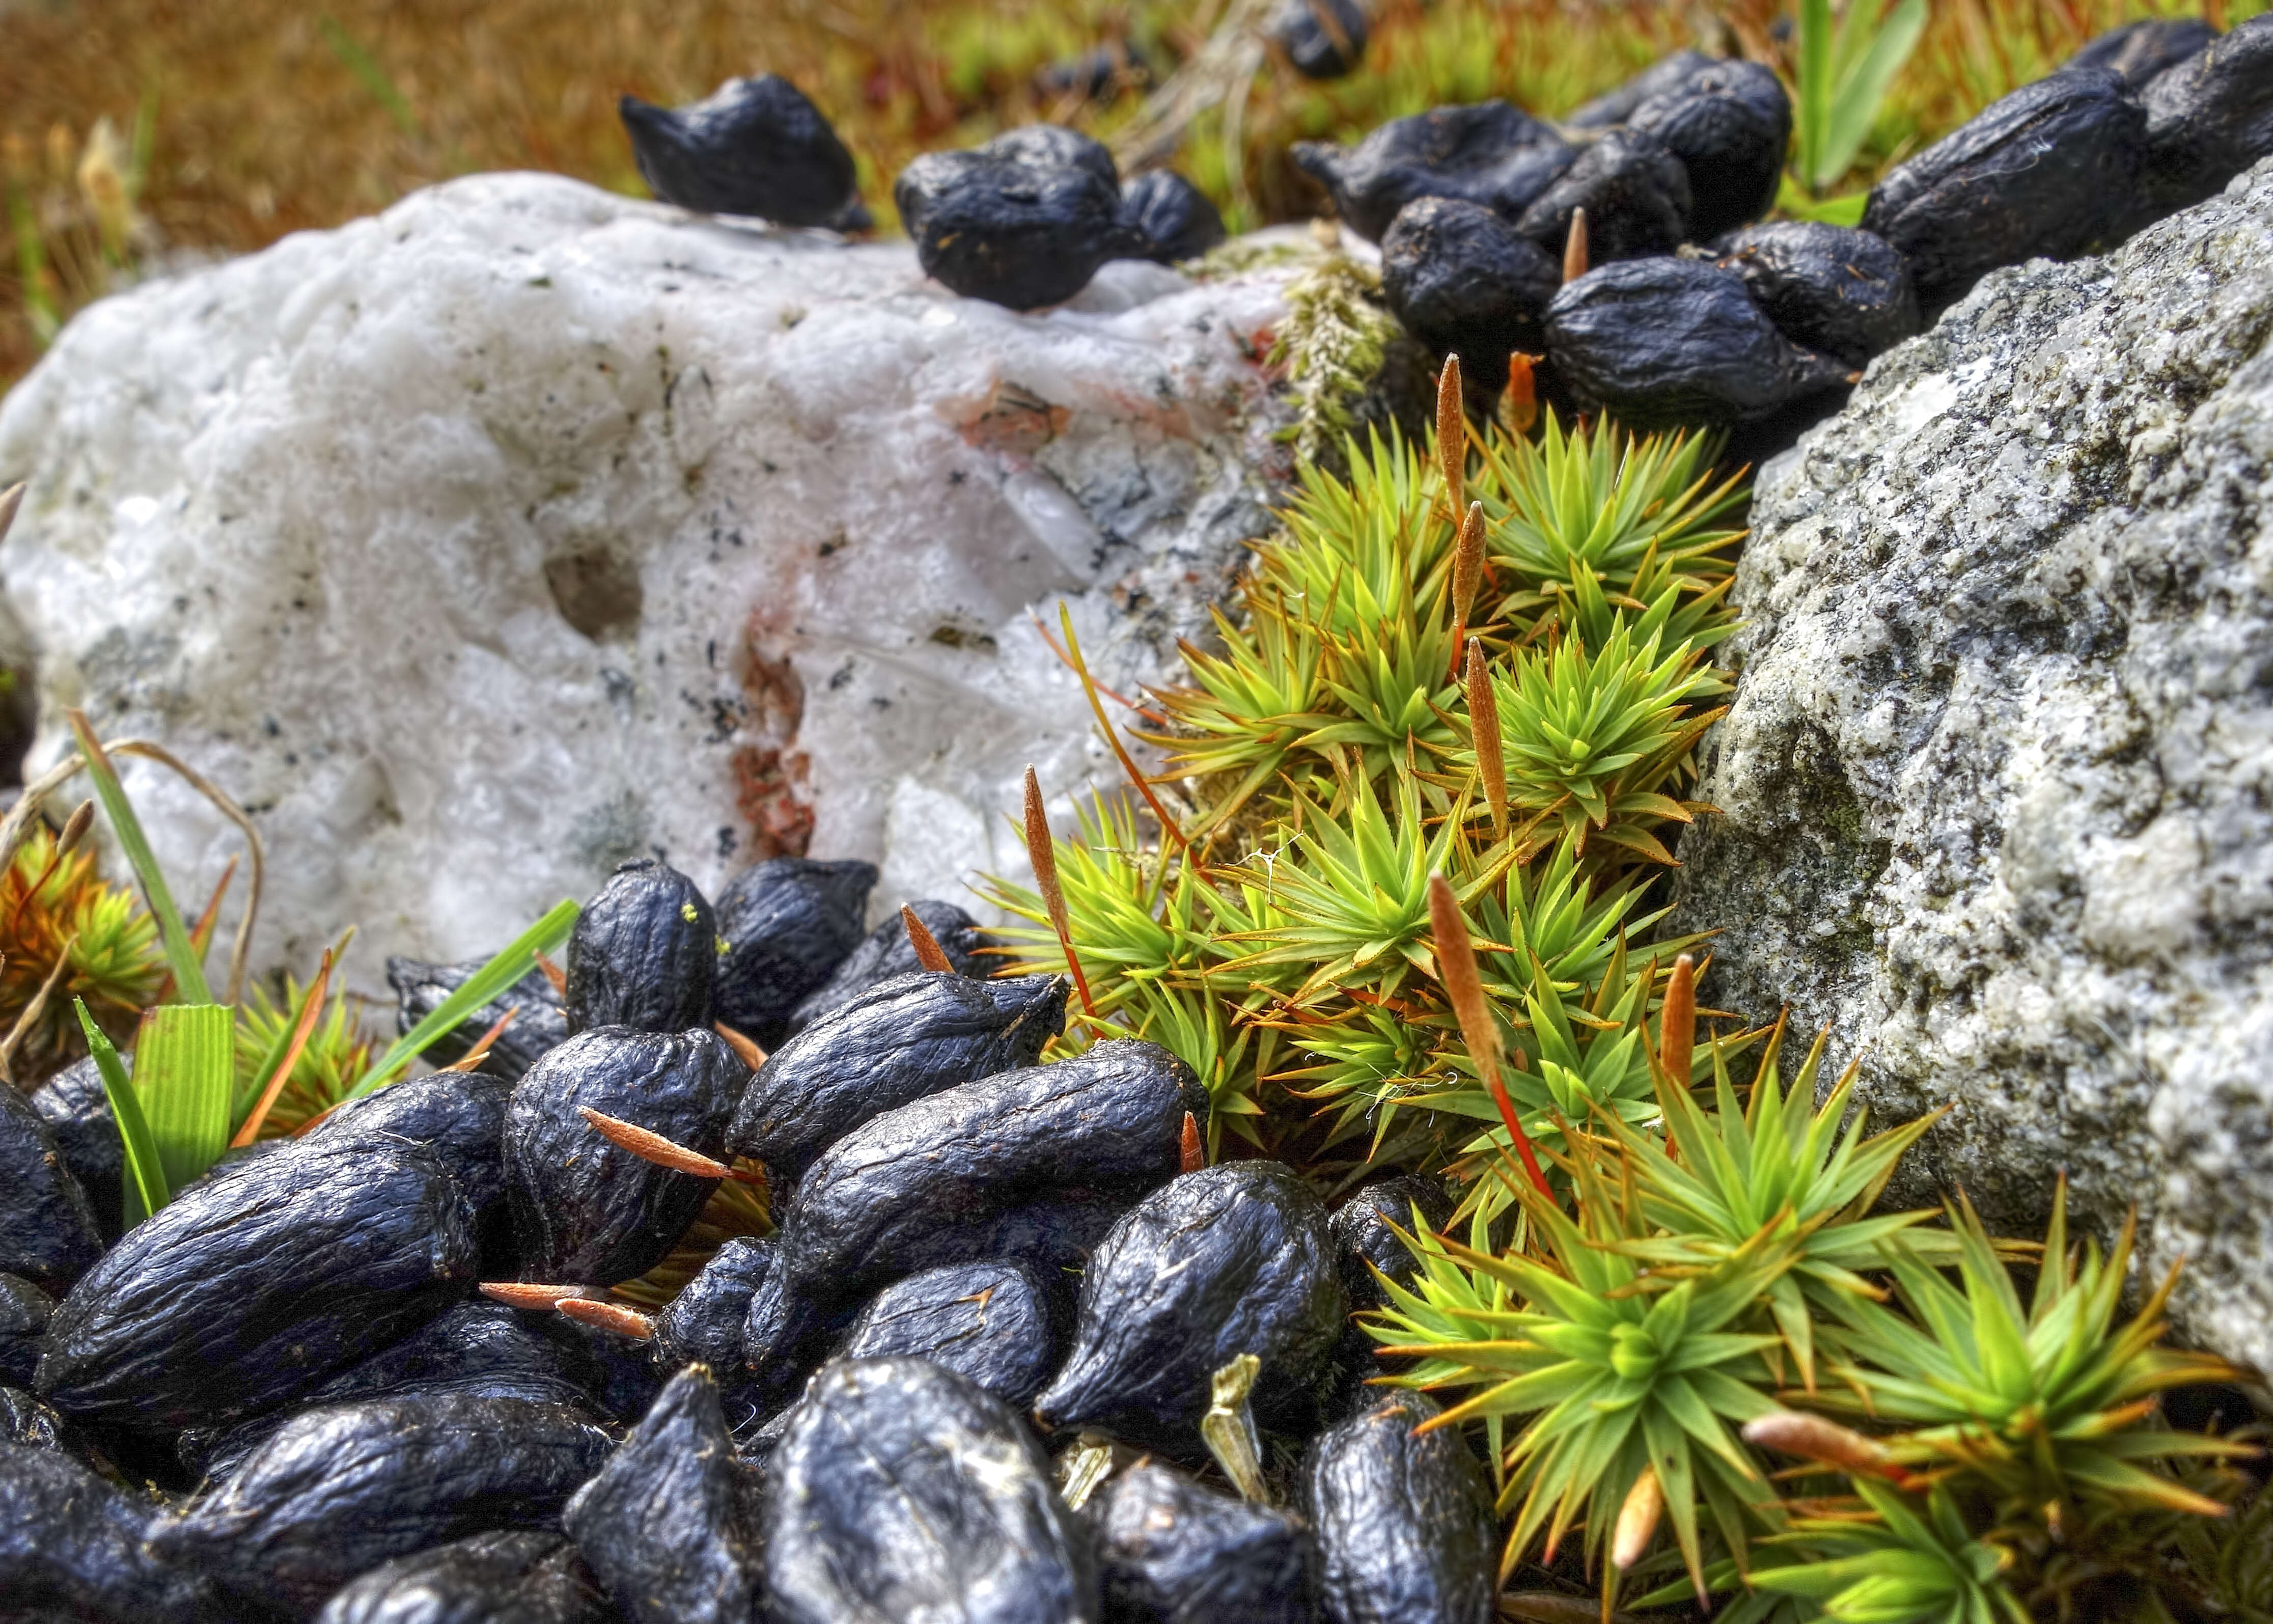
(1998, 783)
(482, 544)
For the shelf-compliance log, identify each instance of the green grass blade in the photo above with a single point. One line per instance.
(184, 1075)
(1814, 109)
(189, 970)
(1856, 99)
(481, 988)
(143, 1189)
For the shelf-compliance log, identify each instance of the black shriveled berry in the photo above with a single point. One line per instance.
(754, 146)
(1842, 291)
(1491, 152)
(1729, 124)
(1635, 192)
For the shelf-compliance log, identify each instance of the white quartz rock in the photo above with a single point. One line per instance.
(479, 545)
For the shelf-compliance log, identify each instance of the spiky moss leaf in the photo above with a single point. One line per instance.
(1612, 1371)
(338, 1052)
(1353, 893)
(1606, 500)
(1714, 1183)
(2042, 1405)
(58, 910)
(1912, 1561)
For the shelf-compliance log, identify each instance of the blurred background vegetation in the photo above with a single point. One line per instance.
(137, 135)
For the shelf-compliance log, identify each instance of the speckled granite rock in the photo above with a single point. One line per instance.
(524, 528)
(1998, 782)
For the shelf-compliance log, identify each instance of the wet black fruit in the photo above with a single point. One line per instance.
(1014, 222)
(1055, 147)
(586, 1211)
(77, 1111)
(1364, 1241)
(752, 147)
(540, 1025)
(1666, 342)
(457, 1119)
(49, 1233)
(937, 1175)
(1490, 154)
(1464, 282)
(662, 1523)
(24, 1311)
(901, 1491)
(1232, 1260)
(1171, 219)
(250, 1288)
(886, 952)
(644, 953)
(71, 1547)
(478, 1348)
(993, 1322)
(1324, 39)
(1404, 1522)
(893, 1044)
(2209, 117)
(1845, 292)
(703, 1325)
(1729, 124)
(1171, 1551)
(2140, 51)
(1634, 191)
(787, 923)
(25, 1420)
(341, 1488)
(1614, 107)
(2046, 170)
(518, 1577)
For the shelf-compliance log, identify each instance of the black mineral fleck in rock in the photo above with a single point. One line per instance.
(2046, 170)
(892, 1045)
(2208, 118)
(1324, 39)
(1490, 154)
(25, 1420)
(1729, 124)
(24, 1311)
(787, 923)
(1235, 1258)
(1845, 292)
(1465, 281)
(644, 953)
(662, 1523)
(1614, 107)
(1665, 341)
(77, 1111)
(1404, 1522)
(72, 1547)
(1024, 220)
(521, 1576)
(1171, 219)
(586, 1211)
(1635, 192)
(1364, 1241)
(1171, 1551)
(540, 1024)
(48, 1232)
(2140, 51)
(478, 1348)
(886, 952)
(250, 1288)
(752, 147)
(900, 1490)
(341, 1488)
(880, 1202)
(991, 1322)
